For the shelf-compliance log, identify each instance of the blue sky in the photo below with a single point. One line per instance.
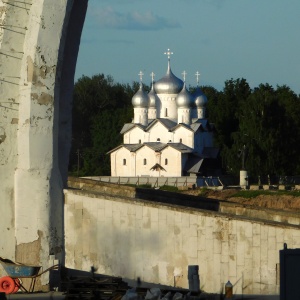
(258, 40)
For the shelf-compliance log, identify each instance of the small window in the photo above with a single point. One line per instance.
(166, 112)
(180, 140)
(158, 140)
(166, 161)
(124, 162)
(140, 141)
(145, 161)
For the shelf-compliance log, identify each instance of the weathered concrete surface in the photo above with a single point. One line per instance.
(39, 43)
(156, 240)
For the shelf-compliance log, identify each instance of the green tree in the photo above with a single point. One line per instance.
(224, 112)
(267, 124)
(99, 104)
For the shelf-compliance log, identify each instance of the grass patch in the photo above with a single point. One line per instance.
(142, 186)
(203, 192)
(169, 188)
(253, 194)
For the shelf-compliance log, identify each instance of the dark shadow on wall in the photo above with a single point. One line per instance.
(68, 54)
(178, 199)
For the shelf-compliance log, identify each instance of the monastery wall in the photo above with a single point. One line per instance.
(131, 237)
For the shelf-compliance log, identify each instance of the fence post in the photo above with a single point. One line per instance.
(220, 181)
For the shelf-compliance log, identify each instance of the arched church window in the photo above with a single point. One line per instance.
(180, 140)
(158, 140)
(166, 112)
(166, 161)
(124, 162)
(140, 141)
(145, 161)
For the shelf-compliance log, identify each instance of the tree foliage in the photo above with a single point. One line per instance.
(265, 120)
(100, 108)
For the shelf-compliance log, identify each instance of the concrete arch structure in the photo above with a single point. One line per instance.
(39, 42)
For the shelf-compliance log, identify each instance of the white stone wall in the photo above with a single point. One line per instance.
(135, 238)
(159, 131)
(184, 116)
(141, 115)
(203, 139)
(201, 112)
(134, 135)
(118, 168)
(207, 139)
(166, 106)
(186, 135)
(35, 100)
(174, 166)
(145, 159)
(11, 45)
(139, 163)
(152, 113)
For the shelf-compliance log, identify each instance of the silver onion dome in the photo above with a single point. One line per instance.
(169, 84)
(184, 99)
(152, 97)
(200, 98)
(140, 98)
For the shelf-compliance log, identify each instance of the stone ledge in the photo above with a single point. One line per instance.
(255, 187)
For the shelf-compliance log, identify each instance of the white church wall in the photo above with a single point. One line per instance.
(166, 106)
(201, 112)
(185, 135)
(152, 113)
(141, 116)
(207, 139)
(134, 136)
(156, 242)
(146, 158)
(198, 142)
(121, 163)
(159, 131)
(184, 159)
(184, 116)
(173, 157)
(203, 139)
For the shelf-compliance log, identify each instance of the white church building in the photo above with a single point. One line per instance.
(169, 135)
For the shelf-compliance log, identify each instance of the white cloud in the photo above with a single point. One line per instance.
(134, 20)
